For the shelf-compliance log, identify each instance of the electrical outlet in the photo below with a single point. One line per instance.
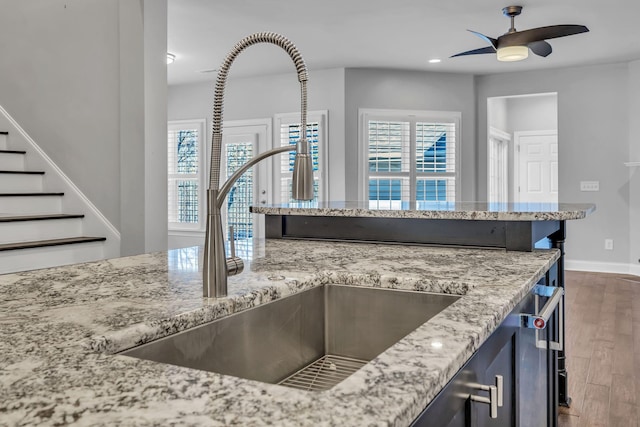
(589, 185)
(608, 244)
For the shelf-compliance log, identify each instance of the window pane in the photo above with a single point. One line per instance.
(290, 134)
(435, 147)
(388, 189)
(241, 195)
(186, 147)
(435, 189)
(183, 201)
(388, 146)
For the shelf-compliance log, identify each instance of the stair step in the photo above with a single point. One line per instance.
(4, 132)
(50, 242)
(16, 218)
(21, 172)
(48, 253)
(30, 203)
(30, 194)
(24, 228)
(12, 160)
(20, 181)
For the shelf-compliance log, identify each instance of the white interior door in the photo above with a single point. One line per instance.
(537, 162)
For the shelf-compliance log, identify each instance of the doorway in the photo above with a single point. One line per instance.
(522, 149)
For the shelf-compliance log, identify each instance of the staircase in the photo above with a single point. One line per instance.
(36, 231)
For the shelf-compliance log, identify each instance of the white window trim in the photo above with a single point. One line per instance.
(366, 114)
(181, 228)
(321, 117)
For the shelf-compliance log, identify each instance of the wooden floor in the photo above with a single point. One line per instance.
(603, 348)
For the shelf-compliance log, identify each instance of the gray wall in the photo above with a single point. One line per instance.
(410, 90)
(265, 96)
(592, 134)
(75, 76)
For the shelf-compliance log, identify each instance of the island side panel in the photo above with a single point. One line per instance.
(510, 235)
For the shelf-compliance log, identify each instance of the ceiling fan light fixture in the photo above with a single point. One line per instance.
(513, 53)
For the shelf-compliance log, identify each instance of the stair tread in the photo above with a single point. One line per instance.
(16, 218)
(51, 242)
(12, 152)
(25, 172)
(29, 194)
(4, 132)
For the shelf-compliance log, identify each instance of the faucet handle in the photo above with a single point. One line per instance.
(235, 265)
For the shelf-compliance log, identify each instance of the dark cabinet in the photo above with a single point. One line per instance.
(524, 360)
(453, 407)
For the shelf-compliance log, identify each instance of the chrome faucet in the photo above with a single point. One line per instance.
(217, 267)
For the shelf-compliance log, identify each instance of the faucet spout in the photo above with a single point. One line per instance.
(216, 267)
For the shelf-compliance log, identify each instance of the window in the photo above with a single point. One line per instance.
(239, 149)
(185, 175)
(289, 126)
(409, 156)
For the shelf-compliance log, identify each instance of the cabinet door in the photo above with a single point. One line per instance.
(498, 358)
(453, 406)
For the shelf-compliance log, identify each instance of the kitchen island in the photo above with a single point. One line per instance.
(60, 328)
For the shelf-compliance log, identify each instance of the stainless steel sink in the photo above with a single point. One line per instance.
(311, 340)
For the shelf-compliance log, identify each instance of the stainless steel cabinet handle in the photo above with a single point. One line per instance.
(492, 400)
(500, 388)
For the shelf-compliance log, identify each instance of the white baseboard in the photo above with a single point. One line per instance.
(602, 267)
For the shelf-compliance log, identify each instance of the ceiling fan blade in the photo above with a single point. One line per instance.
(493, 42)
(525, 37)
(541, 48)
(488, 49)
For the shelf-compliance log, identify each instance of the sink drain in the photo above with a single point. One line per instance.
(324, 373)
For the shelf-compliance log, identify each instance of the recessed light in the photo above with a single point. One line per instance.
(170, 58)
(434, 61)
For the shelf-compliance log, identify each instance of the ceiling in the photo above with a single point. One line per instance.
(400, 34)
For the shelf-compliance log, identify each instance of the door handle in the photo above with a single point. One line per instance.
(539, 321)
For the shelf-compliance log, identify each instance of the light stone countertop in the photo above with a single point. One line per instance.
(479, 211)
(58, 327)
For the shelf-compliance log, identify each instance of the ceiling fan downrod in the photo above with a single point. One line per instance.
(512, 12)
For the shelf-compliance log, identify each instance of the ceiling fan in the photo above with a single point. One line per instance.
(514, 45)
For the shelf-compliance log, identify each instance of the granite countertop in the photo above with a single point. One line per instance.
(434, 210)
(61, 326)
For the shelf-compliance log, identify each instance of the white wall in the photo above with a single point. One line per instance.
(74, 76)
(526, 113)
(410, 90)
(593, 143)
